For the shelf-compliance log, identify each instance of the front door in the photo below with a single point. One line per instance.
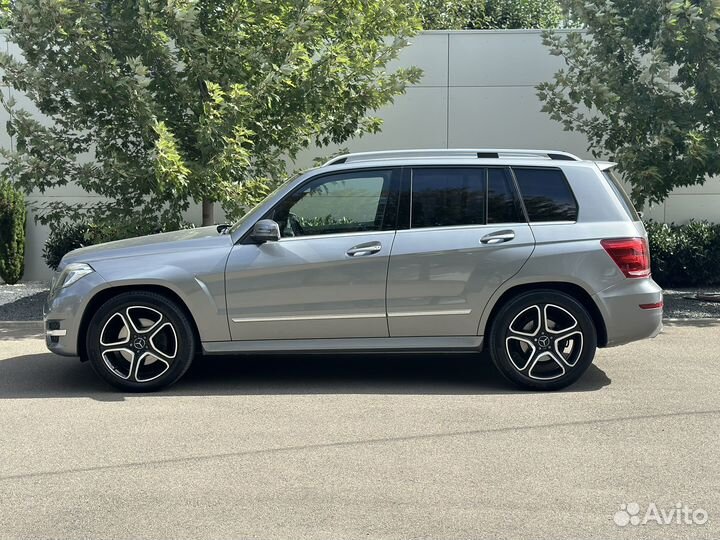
(464, 236)
(326, 276)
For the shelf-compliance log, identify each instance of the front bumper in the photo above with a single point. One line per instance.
(63, 311)
(625, 320)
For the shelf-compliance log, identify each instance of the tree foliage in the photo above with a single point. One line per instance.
(157, 103)
(12, 233)
(4, 12)
(643, 85)
(489, 14)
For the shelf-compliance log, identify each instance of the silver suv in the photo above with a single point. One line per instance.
(537, 256)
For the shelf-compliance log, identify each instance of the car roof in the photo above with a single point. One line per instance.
(373, 164)
(456, 157)
(466, 153)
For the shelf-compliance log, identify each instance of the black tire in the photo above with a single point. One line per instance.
(145, 326)
(538, 356)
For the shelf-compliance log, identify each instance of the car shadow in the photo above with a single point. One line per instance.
(47, 375)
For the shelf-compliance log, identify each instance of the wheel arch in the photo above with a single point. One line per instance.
(106, 294)
(571, 289)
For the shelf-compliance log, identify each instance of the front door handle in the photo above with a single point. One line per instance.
(361, 250)
(498, 237)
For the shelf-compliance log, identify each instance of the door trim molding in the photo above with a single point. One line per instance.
(430, 313)
(309, 317)
(351, 316)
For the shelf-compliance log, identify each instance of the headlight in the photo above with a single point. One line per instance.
(70, 274)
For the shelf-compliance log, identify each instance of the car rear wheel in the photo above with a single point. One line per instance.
(543, 340)
(140, 341)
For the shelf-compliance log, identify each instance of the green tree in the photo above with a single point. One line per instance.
(12, 233)
(489, 14)
(4, 12)
(157, 103)
(643, 85)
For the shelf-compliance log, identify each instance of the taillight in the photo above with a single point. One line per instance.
(630, 254)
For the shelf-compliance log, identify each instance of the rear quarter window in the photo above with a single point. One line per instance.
(621, 195)
(546, 194)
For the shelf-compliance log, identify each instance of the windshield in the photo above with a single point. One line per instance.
(251, 214)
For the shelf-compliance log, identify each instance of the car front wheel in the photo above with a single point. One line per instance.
(140, 341)
(543, 340)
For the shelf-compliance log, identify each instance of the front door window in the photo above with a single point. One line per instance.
(336, 204)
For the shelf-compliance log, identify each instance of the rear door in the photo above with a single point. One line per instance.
(462, 233)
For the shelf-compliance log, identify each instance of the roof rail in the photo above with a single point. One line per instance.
(468, 153)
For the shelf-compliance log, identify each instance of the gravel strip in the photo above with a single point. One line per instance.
(678, 306)
(24, 301)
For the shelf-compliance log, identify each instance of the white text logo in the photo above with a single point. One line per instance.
(680, 514)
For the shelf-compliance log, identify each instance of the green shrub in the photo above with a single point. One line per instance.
(12, 233)
(66, 237)
(685, 255)
(63, 239)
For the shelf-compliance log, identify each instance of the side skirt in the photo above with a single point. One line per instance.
(349, 345)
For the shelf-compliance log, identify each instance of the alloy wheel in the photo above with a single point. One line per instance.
(138, 344)
(544, 341)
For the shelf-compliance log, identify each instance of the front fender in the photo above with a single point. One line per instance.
(199, 282)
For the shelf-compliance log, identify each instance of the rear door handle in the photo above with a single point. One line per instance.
(361, 250)
(498, 237)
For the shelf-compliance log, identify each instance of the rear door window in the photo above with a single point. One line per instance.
(546, 194)
(446, 197)
(503, 205)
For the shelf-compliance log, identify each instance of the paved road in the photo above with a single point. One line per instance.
(350, 447)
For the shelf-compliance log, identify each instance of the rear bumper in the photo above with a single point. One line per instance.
(625, 320)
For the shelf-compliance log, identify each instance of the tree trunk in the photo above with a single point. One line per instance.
(207, 213)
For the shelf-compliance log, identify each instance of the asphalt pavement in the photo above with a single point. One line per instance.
(329, 447)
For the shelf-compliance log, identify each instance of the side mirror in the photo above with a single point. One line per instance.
(265, 230)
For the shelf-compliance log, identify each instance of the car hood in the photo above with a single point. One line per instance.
(185, 239)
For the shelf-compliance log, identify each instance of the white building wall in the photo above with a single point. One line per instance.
(478, 90)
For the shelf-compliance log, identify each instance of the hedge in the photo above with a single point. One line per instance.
(685, 255)
(12, 233)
